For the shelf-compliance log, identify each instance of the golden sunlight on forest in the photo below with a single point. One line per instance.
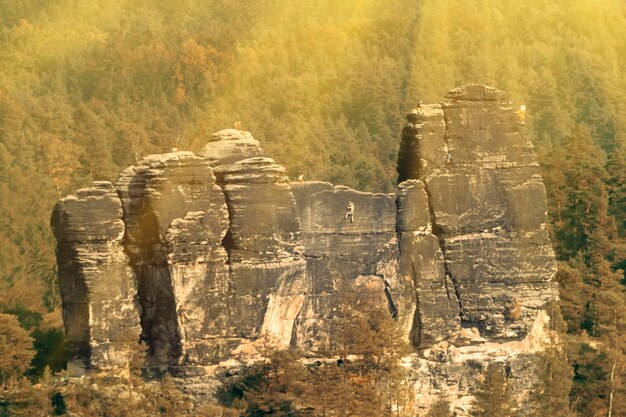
(88, 87)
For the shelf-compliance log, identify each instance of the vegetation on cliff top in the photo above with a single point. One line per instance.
(87, 87)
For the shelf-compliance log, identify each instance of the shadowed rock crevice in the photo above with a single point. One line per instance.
(391, 306)
(266, 271)
(174, 216)
(227, 242)
(416, 329)
(76, 301)
(424, 153)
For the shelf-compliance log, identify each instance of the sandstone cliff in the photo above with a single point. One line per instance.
(204, 256)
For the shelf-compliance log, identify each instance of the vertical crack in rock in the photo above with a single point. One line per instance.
(227, 242)
(174, 220)
(436, 312)
(143, 244)
(266, 272)
(416, 331)
(393, 310)
(489, 231)
(423, 153)
(437, 231)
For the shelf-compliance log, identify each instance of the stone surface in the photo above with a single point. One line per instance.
(267, 271)
(175, 218)
(422, 146)
(346, 260)
(436, 306)
(262, 211)
(488, 207)
(220, 253)
(98, 287)
(229, 146)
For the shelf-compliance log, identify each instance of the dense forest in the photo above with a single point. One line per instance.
(87, 87)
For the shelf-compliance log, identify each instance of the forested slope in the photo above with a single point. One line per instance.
(88, 87)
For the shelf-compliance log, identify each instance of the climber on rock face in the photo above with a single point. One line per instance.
(349, 212)
(521, 112)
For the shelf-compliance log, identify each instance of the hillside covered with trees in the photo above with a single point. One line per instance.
(87, 87)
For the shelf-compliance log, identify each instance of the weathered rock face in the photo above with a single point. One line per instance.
(488, 207)
(98, 288)
(345, 258)
(229, 146)
(175, 220)
(206, 256)
(267, 274)
(436, 306)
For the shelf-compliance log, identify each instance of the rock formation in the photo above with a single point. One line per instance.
(97, 284)
(205, 256)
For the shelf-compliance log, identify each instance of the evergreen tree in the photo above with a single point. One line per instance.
(16, 350)
(551, 395)
(356, 376)
(493, 398)
(440, 409)
(88, 87)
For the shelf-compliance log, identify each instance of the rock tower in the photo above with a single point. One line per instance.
(205, 256)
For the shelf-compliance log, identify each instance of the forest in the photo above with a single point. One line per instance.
(88, 87)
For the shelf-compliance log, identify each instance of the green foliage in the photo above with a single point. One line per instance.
(493, 398)
(360, 375)
(51, 352)
(568, 73)
(440, 409)
(107, 397)
(551, 395)
(16, 350)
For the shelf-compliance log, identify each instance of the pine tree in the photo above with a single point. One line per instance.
(551, 395)
(493, 398)
(358, 375)
(440, 409)
(16, 350)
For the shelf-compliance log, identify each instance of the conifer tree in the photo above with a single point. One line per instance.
(550, 396)
(493, 398)
(441, 408)
(355, 376)
(16, 350)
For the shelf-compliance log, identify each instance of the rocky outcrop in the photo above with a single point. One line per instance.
(97, 284)
(267, 274)
(229, 146)
(347, 258)
(436, 306)
(488, 207)
(175, 220)
(208, 256)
